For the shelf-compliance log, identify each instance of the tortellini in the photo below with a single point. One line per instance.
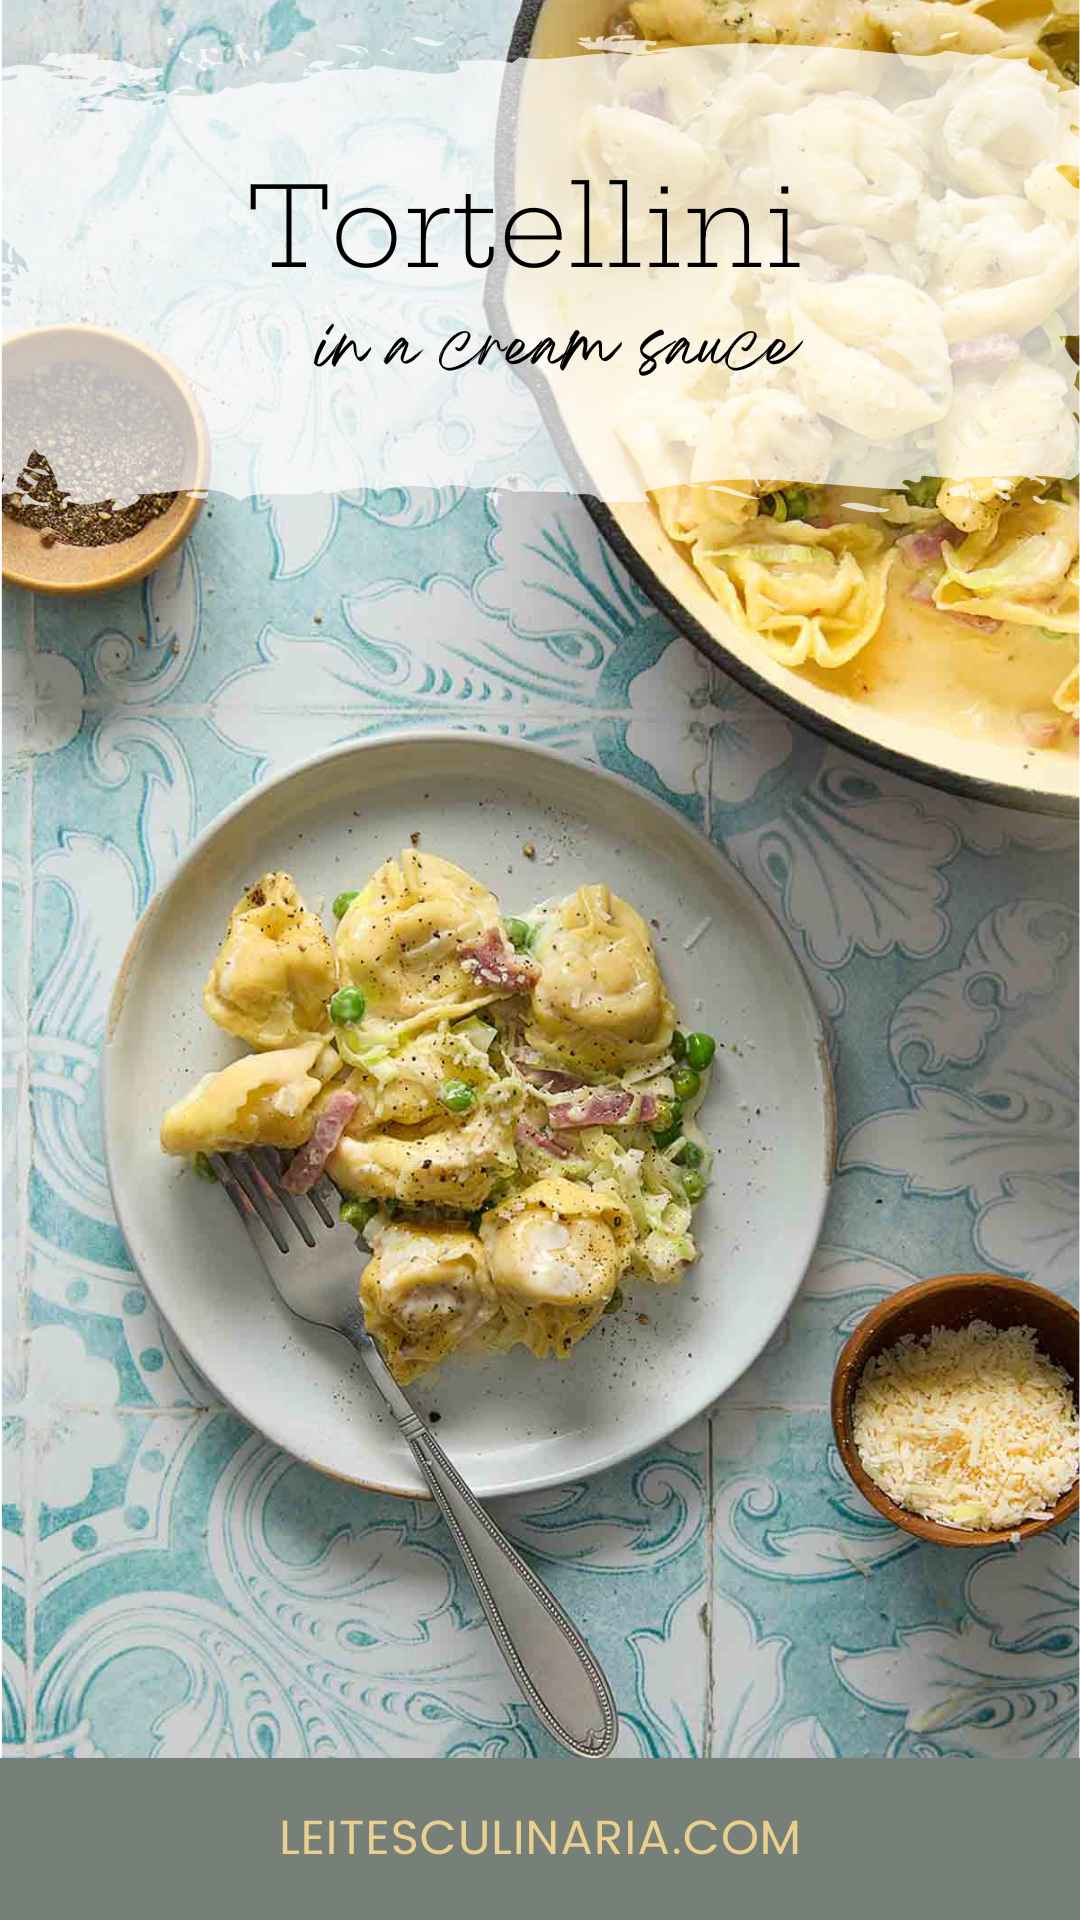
(689, 514)
(764, 436)
(442, 1123)
(874, 354)
(623, 143)
(426, 1292)
(1024, 569)
(975, 505)
(952, 26)
(556, 1252)
(453, 1164)
(1017, 421)
(692, 23)
(850, 162)
(999, 265)
(992, 126)
(1053, 189)
(811, 595)
(600, 1002)
(264, 1099)
(275, 970)
(401, 942)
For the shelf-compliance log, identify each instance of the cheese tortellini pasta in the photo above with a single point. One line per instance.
(600, 1002)
(932, 209)
(874, 355)
(696, 23)
(811, 595)
(867, 170)
(401, 942)
(263, 1099)
(426, 1292)
(556, 1252)
(453, 1164)
(503, 1104)
(275, 972)
(1023, 569)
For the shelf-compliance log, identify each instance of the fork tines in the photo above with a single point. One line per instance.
(252, 1181)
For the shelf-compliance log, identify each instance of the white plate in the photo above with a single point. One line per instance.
(510, 1422)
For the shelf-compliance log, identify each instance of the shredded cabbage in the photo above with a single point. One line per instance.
(374, 1056)
(647, 1182)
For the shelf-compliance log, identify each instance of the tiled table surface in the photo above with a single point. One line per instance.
(174, 1585)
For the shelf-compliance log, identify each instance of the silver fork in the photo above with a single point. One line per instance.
(315, 1269)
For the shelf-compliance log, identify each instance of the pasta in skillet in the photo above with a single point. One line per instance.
(808, 593)
(960, 233)
(505, 1105)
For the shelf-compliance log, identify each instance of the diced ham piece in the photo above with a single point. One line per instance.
(493, 962)
(549, 1078)
(921, 549)
(307, 1164)
(993, 350)
(923, 593)
(538, 1137)
(604, 1107)
(976, 620)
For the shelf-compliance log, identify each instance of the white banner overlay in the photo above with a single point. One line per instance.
(772, 264)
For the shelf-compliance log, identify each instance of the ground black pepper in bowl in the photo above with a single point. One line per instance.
(90, 456)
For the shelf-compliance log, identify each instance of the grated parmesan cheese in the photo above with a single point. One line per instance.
(972, 1427)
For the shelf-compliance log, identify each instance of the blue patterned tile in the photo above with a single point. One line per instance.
(838, 1634)
(15, 1623)
(18, 802)
(264, 1610)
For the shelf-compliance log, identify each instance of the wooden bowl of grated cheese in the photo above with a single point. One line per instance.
(954, 1409)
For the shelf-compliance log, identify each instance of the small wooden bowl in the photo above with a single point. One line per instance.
(62, 568)
(952, 1301)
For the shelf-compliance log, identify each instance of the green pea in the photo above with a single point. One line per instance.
(615, 1302)
(686, 1082)
(700, 1050)
(665, 1134)
(201, 1165)
(347, 1007)
(456, 1095)
(518, 932)
(693, 1187)
(343, 901)
(691, 1155)
(791, 503)
(678, 1045)
(356, 1213)
(924, 492)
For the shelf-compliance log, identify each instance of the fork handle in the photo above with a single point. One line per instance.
(546, 1654)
